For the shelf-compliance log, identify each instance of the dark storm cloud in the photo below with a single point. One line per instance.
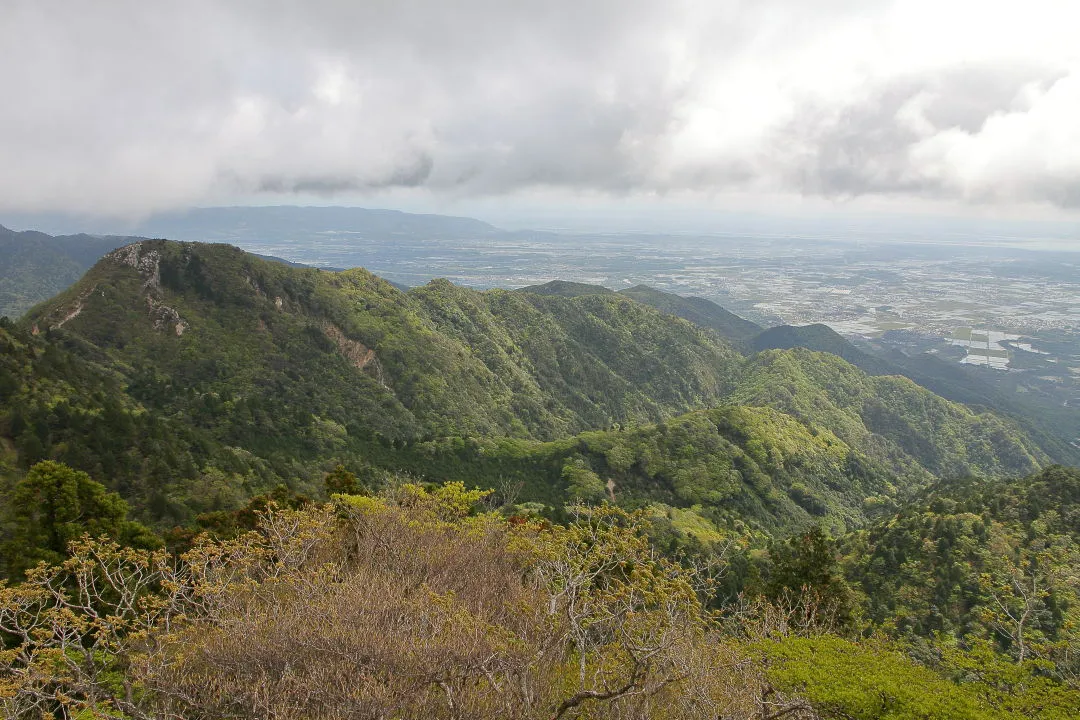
(131, 106)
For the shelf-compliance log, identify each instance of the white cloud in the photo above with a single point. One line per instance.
(132, 106)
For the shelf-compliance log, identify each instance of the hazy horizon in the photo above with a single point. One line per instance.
(853, 227)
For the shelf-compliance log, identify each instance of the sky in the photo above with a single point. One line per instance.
(505, 109)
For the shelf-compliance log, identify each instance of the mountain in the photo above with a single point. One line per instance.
(266, 373)
(894, 420)
(259, 224)
(1047, 420)
(703, 313)
(296, 366)
(774, 533)
(821, 338)
(1051, 426)
(565, 288)
(437, 360)
(35, 266)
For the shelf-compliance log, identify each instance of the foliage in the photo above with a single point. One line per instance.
(191, 377)
(911, 431)
(970, 560)
(378, 607)
(35, 266)
(419, 603)
(341, 481)
(807, 563)
(52, 506)
(865, 681)
(658, 517)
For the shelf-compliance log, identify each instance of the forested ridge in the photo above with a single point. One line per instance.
(678, 522)
(35, 266)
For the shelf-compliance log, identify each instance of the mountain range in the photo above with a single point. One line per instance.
(181, 394)
(272, 373)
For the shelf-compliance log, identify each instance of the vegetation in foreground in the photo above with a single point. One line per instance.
(415, 604)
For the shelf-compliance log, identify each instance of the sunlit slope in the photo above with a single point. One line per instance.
(890, 418)
(699, 311)
(201, 320)
(210, 374)
(726, 467)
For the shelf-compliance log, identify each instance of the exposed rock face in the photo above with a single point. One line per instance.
(165, 317)
(361, 356)
(148, 264)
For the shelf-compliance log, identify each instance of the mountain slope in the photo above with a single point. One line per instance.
(71, 404)
(566, 288)
(35, 266)
(897, 422)
(699, 311)
(964, 554)
(280, 372)
(822, 338)
(436, 360)
(726, 467)
(1052, 427)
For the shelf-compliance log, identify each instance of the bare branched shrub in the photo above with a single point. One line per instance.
(802, 613)
(407, 606)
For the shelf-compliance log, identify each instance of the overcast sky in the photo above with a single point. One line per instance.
(126, 107)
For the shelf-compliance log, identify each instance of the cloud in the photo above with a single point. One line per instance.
(129, 107)
(897, 136)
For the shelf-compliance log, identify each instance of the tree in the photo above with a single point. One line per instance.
(807, 563)
(340, 481)
(412, 604)
(1021, 581)
(54, 505)
(582, 484)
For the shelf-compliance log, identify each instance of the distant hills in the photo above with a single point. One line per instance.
(703, 313)
(822, 338)
(236, 224)
(35, 266)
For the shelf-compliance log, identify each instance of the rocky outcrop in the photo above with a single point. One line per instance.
(359, 355)
(148, 263)
(61, 316)
(165, 317)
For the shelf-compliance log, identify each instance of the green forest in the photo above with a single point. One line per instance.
(237, 488)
